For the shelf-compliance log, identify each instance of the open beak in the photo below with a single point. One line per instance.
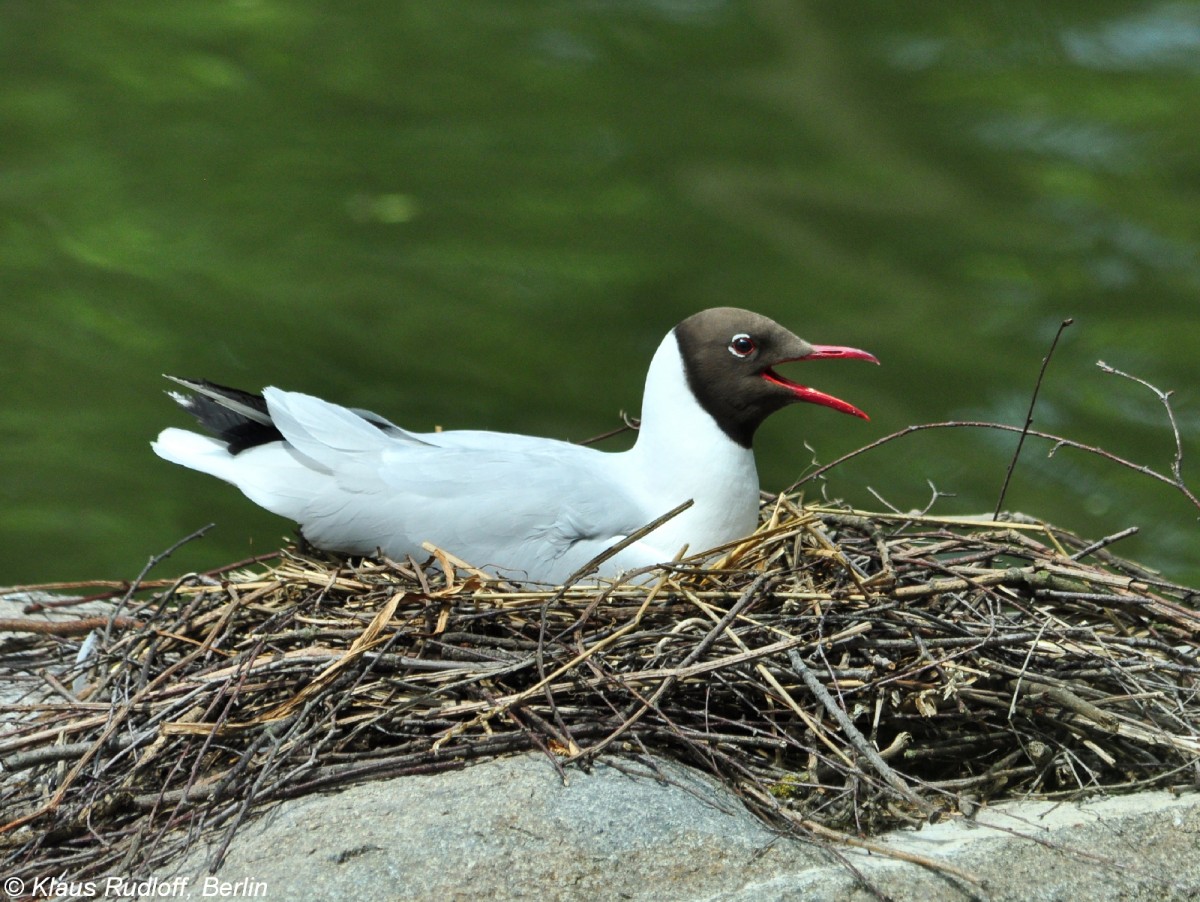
(812, 395)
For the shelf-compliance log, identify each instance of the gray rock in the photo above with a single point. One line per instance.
(511, 829)
(1128, 848)
(506, 829)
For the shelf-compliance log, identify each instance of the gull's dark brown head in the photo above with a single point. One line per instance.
(729, 356)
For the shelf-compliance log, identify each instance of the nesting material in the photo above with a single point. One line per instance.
(841, 671)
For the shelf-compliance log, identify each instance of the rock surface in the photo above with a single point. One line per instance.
(511, 829)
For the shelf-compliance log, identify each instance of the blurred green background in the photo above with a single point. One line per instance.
(488, 214)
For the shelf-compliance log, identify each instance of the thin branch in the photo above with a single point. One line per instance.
(1059, 442)
(1165, 398)
(856, 739)
(1037, 387)
(154, 561)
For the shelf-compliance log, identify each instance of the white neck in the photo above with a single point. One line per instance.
(681, 453)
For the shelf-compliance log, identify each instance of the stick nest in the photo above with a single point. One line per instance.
(839, 671)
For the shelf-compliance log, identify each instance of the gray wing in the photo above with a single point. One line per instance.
(527, 506)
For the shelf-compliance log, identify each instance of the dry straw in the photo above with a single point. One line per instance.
(841, 671)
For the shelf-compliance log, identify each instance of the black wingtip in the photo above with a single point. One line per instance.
(239, 418)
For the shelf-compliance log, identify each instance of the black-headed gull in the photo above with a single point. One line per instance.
(531, 509)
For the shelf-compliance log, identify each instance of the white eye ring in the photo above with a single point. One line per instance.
(742, 345)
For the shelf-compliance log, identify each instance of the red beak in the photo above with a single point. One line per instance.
(812, 395)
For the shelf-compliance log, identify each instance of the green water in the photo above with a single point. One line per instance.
(488, 214)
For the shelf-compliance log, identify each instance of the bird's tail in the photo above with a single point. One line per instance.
(238, 418)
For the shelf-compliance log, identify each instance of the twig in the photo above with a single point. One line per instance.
(154, 561)
(628, 424)
(1037, 387)
(856, 739)
(885, 851)
(79, 627)
(630, 539)
(1165, 398)
(1059, 442)
(1093, 547)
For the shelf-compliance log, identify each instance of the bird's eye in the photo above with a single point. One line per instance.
(742, 345)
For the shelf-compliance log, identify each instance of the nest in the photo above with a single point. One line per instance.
(840, 671)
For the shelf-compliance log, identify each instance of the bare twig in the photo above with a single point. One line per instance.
(860, 743)
(1059, 442)
(154, 561)
(78, 627)
(1037, 387)
(1165, 398)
